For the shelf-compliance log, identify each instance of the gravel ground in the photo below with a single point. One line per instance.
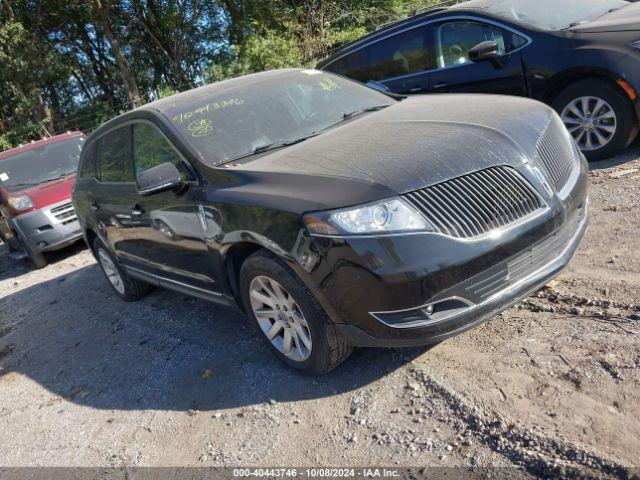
(549, 386)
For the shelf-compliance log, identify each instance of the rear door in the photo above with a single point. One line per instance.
(400, 62)
(456, 73)
(115, 194)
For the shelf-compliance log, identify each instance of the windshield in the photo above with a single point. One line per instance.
(553, 14)
(40, 165)
(279, 110)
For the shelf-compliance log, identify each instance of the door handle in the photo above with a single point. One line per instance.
(416, 89)
(95, 206)
(440, 85)
(137, 211)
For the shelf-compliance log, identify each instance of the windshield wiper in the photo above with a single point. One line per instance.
(582, 22)
(349, 115)
(355, 113)
(271, 146)
(53, 179)
(287, 143)
(275, 145)
(25, 184)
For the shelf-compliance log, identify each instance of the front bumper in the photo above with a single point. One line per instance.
(50, 228)
(567, 240)
(367, 285)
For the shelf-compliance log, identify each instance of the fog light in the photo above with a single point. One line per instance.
(424, 316)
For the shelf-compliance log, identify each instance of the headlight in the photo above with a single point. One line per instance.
(389, 216)
(636, 44)
(21, 203)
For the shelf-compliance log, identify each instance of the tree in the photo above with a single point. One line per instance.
(104, 10)
(72, 64)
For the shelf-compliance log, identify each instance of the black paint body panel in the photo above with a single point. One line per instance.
(187, 240)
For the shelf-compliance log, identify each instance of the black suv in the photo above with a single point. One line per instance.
(580, 56)
(333, 214)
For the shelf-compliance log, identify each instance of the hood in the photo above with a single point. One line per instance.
(416, 143)
(626, 19)
(49, 193)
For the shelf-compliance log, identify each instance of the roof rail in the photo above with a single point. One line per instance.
(442, 5)
(438, 6)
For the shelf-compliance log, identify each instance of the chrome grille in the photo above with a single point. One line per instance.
(475, 204)
(64, 213)
(557, 154)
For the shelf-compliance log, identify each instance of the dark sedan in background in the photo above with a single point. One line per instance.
(580, 56)
(335, 215)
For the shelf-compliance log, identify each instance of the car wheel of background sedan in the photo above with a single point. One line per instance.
(289, 316)
(128, 289)
(598, 116)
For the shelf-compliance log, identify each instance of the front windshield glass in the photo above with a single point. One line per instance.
(40, 165)
(257, 116)
(553, 14)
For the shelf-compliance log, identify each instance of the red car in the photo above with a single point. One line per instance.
(36, 180)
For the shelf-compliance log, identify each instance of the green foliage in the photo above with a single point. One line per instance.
(164, 91)
(266, 51)
(59, 67)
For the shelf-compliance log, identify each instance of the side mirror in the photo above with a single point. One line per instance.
(159, 179)
(378, 86)
(488, 50)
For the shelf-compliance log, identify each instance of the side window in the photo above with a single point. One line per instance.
(115, 156)
(88, 168)
(355, 65)
(151, 148)
(455, 39)
(402, 54)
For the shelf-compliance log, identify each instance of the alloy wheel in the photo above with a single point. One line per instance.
(110, 270)
(591, 121)
(280, 318)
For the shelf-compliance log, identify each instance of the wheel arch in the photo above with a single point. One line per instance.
(564, 79)
(90, 237)
(234, 257)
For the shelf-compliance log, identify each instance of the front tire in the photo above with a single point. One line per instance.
(37, 258)
(128, 289)
(290, 319)
(599, 117)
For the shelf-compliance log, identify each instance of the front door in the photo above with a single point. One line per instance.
(170, 233)
(456, 73)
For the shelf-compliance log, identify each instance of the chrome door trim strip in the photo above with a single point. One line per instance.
(141, 273)
(429, 22)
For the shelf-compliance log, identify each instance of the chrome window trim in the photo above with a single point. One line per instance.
(430, 22)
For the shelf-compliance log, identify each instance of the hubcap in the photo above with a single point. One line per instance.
(280, 318)
(591, 121)
(111, 271)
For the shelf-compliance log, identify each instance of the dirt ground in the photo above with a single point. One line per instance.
(549, 386)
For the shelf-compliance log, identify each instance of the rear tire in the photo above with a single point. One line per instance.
(599, 117)
(128, 288)
(297, 311)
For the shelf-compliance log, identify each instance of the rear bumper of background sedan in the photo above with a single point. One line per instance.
(564, 243)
